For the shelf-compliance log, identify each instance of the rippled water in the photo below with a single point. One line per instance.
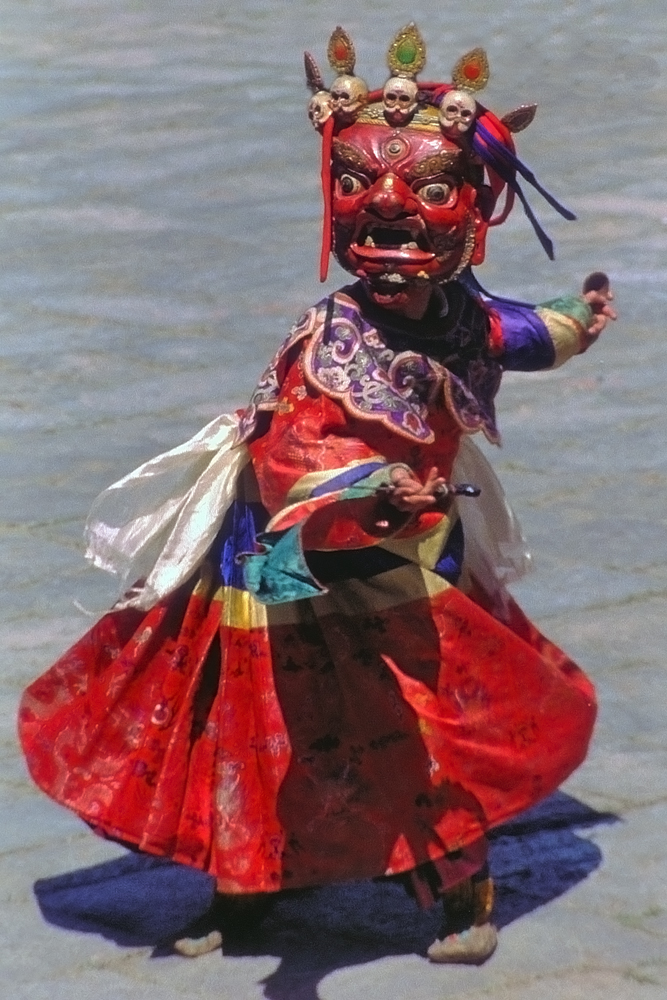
(160, 207)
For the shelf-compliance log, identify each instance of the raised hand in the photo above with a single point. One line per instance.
(598, 294)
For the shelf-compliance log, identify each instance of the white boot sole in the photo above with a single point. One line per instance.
(194, 947)
(472, 947)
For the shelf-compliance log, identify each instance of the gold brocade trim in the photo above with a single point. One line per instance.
(424, 119)
(351, 156)
(242, 610)
(565, 333)
(437, 164)
(468, 251)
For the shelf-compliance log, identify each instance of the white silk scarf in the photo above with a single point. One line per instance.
(154, 526)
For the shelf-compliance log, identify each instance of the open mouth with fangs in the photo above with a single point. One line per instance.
(386, 241)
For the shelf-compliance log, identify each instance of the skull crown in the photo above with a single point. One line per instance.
(399, 98)
(457, 112)
(348, 95)
(319, 108)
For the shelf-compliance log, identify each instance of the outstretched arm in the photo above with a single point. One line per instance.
(526, 339)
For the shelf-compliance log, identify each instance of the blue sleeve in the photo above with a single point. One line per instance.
(527, 345)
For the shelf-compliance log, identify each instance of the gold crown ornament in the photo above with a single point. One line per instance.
(401, 102)
(450, 108)
(406, 58)
(459, 108)
(348, 93)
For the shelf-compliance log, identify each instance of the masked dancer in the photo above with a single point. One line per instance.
(316, 672)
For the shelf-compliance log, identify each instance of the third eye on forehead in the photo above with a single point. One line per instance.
(371, 164)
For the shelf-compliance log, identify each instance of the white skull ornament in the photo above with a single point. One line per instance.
(400, 99)
(319, 108)
(457, 112)
(348, 96)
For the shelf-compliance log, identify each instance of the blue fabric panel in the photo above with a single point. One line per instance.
(243, 522)
(451, 560)
(347, 478)
(528, 346)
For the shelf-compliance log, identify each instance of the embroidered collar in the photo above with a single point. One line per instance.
(376, 373)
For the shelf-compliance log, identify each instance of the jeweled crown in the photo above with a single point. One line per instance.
(450, 108)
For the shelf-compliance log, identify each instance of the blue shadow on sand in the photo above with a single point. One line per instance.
(138, 900)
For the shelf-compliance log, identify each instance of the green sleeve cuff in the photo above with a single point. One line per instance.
(572, 306)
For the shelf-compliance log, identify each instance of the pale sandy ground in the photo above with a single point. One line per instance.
(154, 251)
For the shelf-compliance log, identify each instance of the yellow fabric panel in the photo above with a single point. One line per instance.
(303, 487)
(380, 593)
(424, 549)
(565, 333)
(241, 610)
(362, 597)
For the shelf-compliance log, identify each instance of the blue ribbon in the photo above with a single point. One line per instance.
(506, 164)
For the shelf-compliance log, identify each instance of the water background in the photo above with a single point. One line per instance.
(160, 231)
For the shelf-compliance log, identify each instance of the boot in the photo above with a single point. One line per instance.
(229, 917)
(466, 935)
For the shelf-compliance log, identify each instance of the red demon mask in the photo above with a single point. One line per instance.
(403, 205)
(411, 174)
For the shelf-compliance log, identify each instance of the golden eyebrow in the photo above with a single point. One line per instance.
(353, 158)
(438, 163)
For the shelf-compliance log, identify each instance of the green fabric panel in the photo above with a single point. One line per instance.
(573, 306)
(280, 574)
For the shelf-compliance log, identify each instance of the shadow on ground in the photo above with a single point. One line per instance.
(140, 900)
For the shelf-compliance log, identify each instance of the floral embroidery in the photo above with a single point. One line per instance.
(348, 359)
(265, 396)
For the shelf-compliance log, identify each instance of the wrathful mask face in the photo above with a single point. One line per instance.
(403, 209)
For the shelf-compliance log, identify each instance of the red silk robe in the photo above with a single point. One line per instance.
(347, 707)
